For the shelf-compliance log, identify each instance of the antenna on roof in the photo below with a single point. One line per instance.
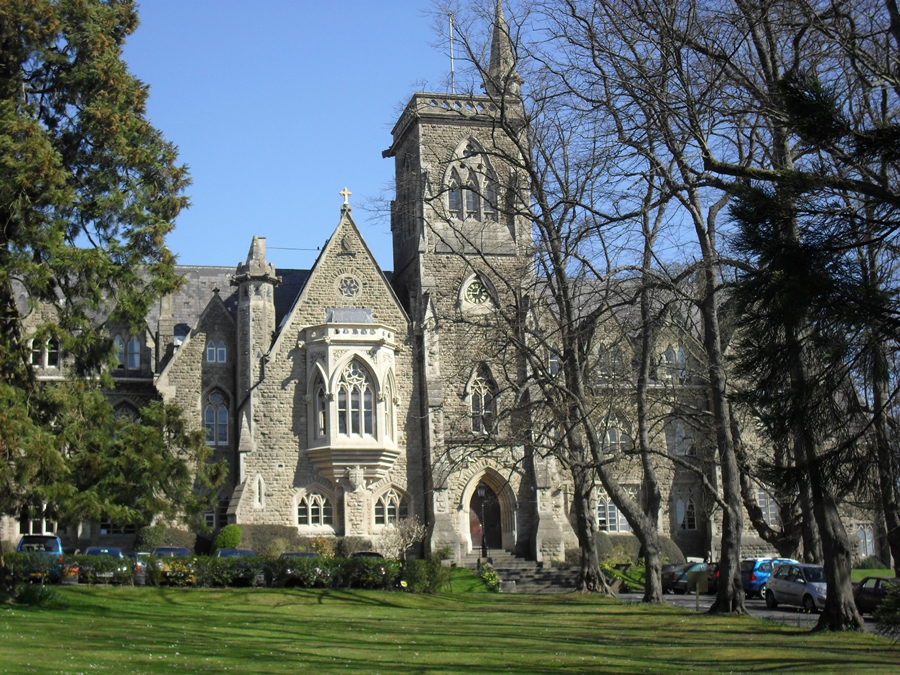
(452, 72)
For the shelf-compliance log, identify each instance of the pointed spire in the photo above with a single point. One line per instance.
(501, 76)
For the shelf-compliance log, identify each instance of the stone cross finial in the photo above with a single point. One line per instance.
(345, 193)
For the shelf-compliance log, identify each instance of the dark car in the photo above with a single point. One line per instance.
(369, 563)
(712, 578)
(671, 575)
(869, 592)
(112, 566)
(755, 573)
(676, 580)
(46, 545)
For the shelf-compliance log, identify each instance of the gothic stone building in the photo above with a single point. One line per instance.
(343, 397)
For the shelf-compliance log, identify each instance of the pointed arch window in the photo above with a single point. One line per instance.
(119, 348)
(389, 409)
(490, 198)
(614, 438)
(472, 198)
(356, 402)
(134, 353)
(454, 196)
(215, 420)
(865, 535)
(215, 353)
(685, 514)
(315, 510)
(554, 363)
(53, 353)
(37, 353)
(391, 507)
(483, 402)
(321, 409)
(678, 440)
(609, 518)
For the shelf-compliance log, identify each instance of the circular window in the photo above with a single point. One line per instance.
(476, 293)
(349, 287)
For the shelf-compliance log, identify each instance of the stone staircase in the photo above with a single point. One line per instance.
(528, 577)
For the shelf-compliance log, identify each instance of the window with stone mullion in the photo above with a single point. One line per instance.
(356, 402)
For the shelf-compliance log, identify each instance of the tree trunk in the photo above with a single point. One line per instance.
(887, 471)
(590, 579)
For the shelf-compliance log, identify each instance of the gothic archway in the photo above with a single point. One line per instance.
(500, 508)
(485, 505)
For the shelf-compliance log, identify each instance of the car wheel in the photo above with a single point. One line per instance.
(762, 592)
(771, 602)
(809, 604)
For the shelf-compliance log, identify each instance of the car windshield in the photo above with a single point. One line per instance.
(234, 553)
(172, 552)
(38, 543)
(299, 555)
(815, 574)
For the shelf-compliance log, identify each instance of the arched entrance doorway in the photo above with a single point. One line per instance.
(484, 518)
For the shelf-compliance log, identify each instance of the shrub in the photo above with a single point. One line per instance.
(180, 538)
(426, 576)
(444, 553)
(38, 595)
(150, 537)
(346, 546)
(887, 615)
(274, 548)
(258, 537)
(324, 546)
(490, 579)
(870, 563)
(228, 537)
(669, 551)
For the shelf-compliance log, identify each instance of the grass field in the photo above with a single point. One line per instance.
(150, 630)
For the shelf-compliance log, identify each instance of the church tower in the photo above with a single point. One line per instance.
(463, 251)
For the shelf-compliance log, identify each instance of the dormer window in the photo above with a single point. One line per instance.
(215, 353)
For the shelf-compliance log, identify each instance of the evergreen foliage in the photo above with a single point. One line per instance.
(88, 192)
(228, 537)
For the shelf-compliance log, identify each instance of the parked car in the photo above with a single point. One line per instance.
(712, 578)
(676, 580)
(869, 592)
(46, 545)
(171, 564)
(796, 584)
(369, 566)
(755, 573)
(112, 569)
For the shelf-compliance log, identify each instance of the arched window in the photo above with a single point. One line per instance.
(321, 409)
(668, 363)
(490, 198)
(554, 361)
(220, 349)
(390, 507)
(472, 199)
(126, 412)
(210, 352)
(134, 353)
(454, 196)
(678, 440)
(389, 409)
(37, 353)
(215, 420)
(314, 509)
(119, 346)
(866, 536)
(482, 402)
(685, 514)
(609, 518)
(614, 438)
(769, 507)
(356, 402)
(53, 353)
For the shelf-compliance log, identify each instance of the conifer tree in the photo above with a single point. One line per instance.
(88, 192)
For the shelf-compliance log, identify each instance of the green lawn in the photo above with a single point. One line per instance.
(859, 575)
(149, 630)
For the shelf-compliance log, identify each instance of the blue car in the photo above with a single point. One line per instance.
(755, 572)
(45, 545)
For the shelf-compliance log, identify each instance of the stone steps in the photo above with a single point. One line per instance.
(528, 577)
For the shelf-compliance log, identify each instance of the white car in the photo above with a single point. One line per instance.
(797, 584)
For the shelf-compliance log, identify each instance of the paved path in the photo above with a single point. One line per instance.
(789, 616)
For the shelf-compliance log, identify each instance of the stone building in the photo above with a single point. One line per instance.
(345, 398)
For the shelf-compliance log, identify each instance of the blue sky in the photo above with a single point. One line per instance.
(276, 105)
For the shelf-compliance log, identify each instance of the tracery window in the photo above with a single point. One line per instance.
(472, 199)
(678, 440)
(685, 514)
(610, 362)
(390, 507)
(609, 518)
(389, 409)
(215, 420)
(866, 536)
(119, 348)
(769, 507)
(134, 353)
(454, 196)
(554, 362)
(314, 509)
(482, 402)
(356, 402)
(674, 363)
(615, 439)
(490, 199)
(321, 409)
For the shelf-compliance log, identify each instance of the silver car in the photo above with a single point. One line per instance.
(797, 584)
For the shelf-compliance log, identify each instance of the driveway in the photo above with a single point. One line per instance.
(789, 616)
